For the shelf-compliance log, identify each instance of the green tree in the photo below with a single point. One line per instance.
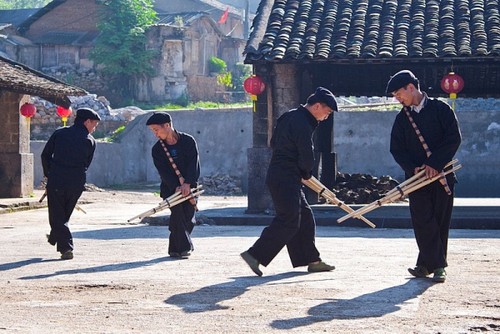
(22, 4)
(121, 46)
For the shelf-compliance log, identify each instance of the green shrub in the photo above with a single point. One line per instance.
(217, 65)
(225, 79)
(240, 73)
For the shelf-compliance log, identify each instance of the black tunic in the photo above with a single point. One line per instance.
(185, 155)
(439, 127)
(292, 145)
(67, 156)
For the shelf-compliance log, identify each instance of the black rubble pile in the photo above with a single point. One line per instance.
(219, 184)
(362, 188)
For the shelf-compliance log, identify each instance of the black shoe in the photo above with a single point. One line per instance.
(319, 267)
(185, 254)
(67, 255)
(419, 271)
(252, 262)
(439, 275)
(174, 254)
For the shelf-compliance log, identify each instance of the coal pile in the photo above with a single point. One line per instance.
(221, 185)
(362, 188)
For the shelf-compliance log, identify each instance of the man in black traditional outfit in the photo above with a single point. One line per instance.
(175, 156)
(426, 135)
(65, 159)
(292, 160)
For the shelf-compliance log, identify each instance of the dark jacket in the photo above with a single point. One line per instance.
(185, 155)
(439, 126)
(67, 156)
(292, 145)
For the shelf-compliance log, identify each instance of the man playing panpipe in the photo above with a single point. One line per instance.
(292, 160)
(425, 135)
(175, 156)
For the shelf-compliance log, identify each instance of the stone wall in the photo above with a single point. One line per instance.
(85, 78)
(223, 137)
(203, 88)
(361, 141)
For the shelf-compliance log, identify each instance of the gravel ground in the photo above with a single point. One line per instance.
(122, 281)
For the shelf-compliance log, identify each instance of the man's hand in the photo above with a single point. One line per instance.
(429, 171)
(185, 189)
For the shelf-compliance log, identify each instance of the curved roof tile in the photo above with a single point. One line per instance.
(367, 29)
(19, 78)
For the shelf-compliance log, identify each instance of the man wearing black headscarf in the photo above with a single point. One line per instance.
(65, 160)
(292, 160)
(430, 206)
(183, 152)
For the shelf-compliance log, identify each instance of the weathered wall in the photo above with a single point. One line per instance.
(361, 143)
(223, 137)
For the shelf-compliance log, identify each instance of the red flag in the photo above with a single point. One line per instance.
(223, 18)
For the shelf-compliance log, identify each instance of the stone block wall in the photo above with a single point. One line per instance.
(16, 161)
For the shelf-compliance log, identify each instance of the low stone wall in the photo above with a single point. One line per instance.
(361, 142)
(223, 137)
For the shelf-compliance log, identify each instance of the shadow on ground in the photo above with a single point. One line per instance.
(209, 298)
(371, 305)
(97, 269)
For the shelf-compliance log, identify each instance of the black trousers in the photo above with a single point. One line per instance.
(293, 226)
(430, 209)
(61, 203)
(181, 225)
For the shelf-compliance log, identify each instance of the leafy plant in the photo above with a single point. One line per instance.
(240, 73)
(121, 46)
(225, 79)
(114, 136)
(217, 65)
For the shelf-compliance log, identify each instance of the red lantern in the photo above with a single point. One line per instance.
(64, 113)
(28, 110)
(254, 85)
(452, 84)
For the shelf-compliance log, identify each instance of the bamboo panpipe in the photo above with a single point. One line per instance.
(170, 202)
(416, 182)
(327, 194)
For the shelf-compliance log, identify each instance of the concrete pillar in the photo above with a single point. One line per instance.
(281, 94)
(16, 161)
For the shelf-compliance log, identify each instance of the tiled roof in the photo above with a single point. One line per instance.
(16, 16)
(369, 29)
(21, 79)
(81, 38)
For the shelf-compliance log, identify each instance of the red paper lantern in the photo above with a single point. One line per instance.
(28, 110)
(64, 113)
(452, 84)
(254, 85)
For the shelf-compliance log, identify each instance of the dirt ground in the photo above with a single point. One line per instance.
(122, 281)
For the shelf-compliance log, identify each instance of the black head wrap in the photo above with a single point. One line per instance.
(323, 95)
(159, 117)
